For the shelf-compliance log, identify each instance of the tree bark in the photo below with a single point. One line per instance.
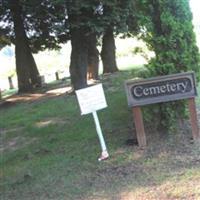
(27, 72)
(79, 58)
(108, 52)
(93, 58)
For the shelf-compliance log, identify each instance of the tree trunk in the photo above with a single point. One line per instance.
(93, 58)
(79, 58)
(27, 72)
(108, 52)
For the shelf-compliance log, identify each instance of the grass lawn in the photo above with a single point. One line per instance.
(49, 151)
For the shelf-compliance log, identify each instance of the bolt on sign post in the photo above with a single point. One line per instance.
(90, 100)
(162, 89)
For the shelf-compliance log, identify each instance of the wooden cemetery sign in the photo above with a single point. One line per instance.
(161, 89)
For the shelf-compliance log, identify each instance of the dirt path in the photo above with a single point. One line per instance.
(34, 97)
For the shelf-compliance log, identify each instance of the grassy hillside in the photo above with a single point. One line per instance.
(49, 151)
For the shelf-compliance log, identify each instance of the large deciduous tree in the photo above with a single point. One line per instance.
(79, 52)
(30, 26)
(108, 53)
(116, 14)
(27, 73)
(88, 20)
(79, 58)
(93, 57)
(84, 27)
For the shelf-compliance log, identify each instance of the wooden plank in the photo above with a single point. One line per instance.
(160, 89)
(139, 125)
(193, 119)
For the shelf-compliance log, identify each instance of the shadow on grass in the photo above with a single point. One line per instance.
(65, 166)
(140, 172)
(61, 161)
(51, 90)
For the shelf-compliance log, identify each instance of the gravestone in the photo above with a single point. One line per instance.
(57, 76)
(11, 86)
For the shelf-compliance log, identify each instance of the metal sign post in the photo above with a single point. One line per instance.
(104, 154)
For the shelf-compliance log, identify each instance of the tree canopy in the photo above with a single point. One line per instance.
(45, 27)
(167, 29)
(165, 26)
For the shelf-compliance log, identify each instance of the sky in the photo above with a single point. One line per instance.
(195, 7)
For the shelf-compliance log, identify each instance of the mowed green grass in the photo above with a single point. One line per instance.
(49, 151)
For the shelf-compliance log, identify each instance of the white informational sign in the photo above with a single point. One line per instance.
(91, 99)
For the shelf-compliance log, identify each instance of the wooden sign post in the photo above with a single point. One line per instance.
(193, 119)
(90, 100)
(139, 125)
(161, 89)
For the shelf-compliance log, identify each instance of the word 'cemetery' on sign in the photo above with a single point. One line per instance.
(160, 89)
(165, 88)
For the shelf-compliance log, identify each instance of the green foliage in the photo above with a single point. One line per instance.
(44, 23)
(114, 13)
(167, 29)
(170, 35)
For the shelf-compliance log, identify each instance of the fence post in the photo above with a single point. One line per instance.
(193, 119)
